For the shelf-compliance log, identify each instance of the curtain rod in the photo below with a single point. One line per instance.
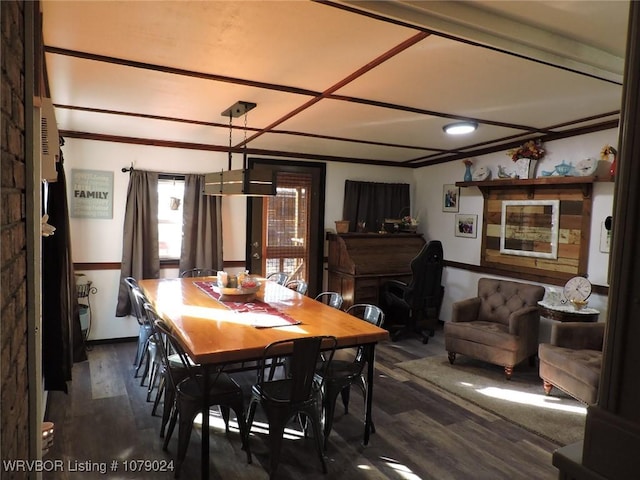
(162, 175)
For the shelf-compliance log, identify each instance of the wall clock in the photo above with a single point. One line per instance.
(577, 289)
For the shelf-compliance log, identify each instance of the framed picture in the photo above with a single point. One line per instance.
(466, 225)
(529, 228)
(450, 198)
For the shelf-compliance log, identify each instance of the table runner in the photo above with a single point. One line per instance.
(259, 314)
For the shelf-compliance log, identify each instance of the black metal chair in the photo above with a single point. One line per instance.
(333, 299)
(144, 328)
(341, 374)
(223, 391)
(198, 272)
(294, 394)
(415, 307)
(278, 277)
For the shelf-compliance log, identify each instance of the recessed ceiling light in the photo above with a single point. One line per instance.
(460, 128)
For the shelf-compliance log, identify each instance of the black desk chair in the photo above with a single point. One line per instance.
(415, 307)
(294, 394)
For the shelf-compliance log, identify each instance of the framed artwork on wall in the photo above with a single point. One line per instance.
(529, 228)
(450, 198)
(466, 225)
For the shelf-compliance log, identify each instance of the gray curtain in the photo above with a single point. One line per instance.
(373, 202)
(140, 235)
(201, 228)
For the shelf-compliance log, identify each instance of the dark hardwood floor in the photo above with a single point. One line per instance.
(421, 433)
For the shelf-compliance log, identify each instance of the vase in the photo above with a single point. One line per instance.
(467, 174)
(525, 168)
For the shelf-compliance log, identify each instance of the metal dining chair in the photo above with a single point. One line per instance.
(285, 397)
(333, 299)
(341, 374)
(278, 277)
(223, 391)
(144, 329)
(198, 272)
(299, 286)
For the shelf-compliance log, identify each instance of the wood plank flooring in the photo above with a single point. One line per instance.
(421, 433)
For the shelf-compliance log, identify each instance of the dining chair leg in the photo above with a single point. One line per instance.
(276, 433)
(345, 393)
(159, 392)
(172, 425)
(313, 416)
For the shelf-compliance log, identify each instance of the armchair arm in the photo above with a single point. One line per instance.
(465, 310)
(525, 323)
(578, 335)
(395, 287)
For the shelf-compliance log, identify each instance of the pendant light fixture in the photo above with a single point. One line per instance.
(247, 181)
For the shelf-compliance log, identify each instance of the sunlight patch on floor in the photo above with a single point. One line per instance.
(402, 470)
(216, 422)
(534, 400)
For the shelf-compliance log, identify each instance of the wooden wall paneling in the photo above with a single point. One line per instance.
(574, 194)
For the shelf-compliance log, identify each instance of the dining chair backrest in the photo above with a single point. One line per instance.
(304, 355)
(169, 346)
(135, 297)
(299, 286)
(366, 311)
(369, 313)
(278, 277)
(198, 272)
(333, 299)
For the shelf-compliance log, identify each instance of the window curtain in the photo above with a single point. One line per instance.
(201, 228)
(140, 257)
(62, 341)
(373, 202)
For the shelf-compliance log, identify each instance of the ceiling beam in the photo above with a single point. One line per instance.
(466, 21)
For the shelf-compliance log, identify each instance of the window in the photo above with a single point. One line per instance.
(170, 200)
(287, 231)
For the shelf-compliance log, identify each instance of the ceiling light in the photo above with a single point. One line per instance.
(247, 182)
(460, 128)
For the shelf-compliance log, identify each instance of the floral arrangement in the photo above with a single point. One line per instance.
(606, 151)
(531, 149)
(408, 220)
(467, 162)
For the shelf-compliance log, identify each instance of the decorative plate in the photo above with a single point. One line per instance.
(586, 167)
(481, 174)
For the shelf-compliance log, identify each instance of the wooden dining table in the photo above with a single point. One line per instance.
(216, 334)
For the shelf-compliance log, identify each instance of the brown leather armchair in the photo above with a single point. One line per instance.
(499, 326)
(573, 359)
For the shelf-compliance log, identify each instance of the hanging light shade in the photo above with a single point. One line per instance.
(247, 181)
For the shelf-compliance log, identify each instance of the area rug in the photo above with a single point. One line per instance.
(521, 400)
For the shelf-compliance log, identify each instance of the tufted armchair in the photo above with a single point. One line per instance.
(499, 326)
(573, 359)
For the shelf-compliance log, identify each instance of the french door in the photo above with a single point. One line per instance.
(285, 232)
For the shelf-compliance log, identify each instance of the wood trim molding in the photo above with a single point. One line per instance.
(599, 289)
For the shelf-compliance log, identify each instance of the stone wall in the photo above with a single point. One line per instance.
(14, 387)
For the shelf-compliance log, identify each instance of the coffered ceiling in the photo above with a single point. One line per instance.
(364, 82)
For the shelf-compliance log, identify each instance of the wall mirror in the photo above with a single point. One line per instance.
(529, 228)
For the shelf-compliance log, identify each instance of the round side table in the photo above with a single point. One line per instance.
(566, 313)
